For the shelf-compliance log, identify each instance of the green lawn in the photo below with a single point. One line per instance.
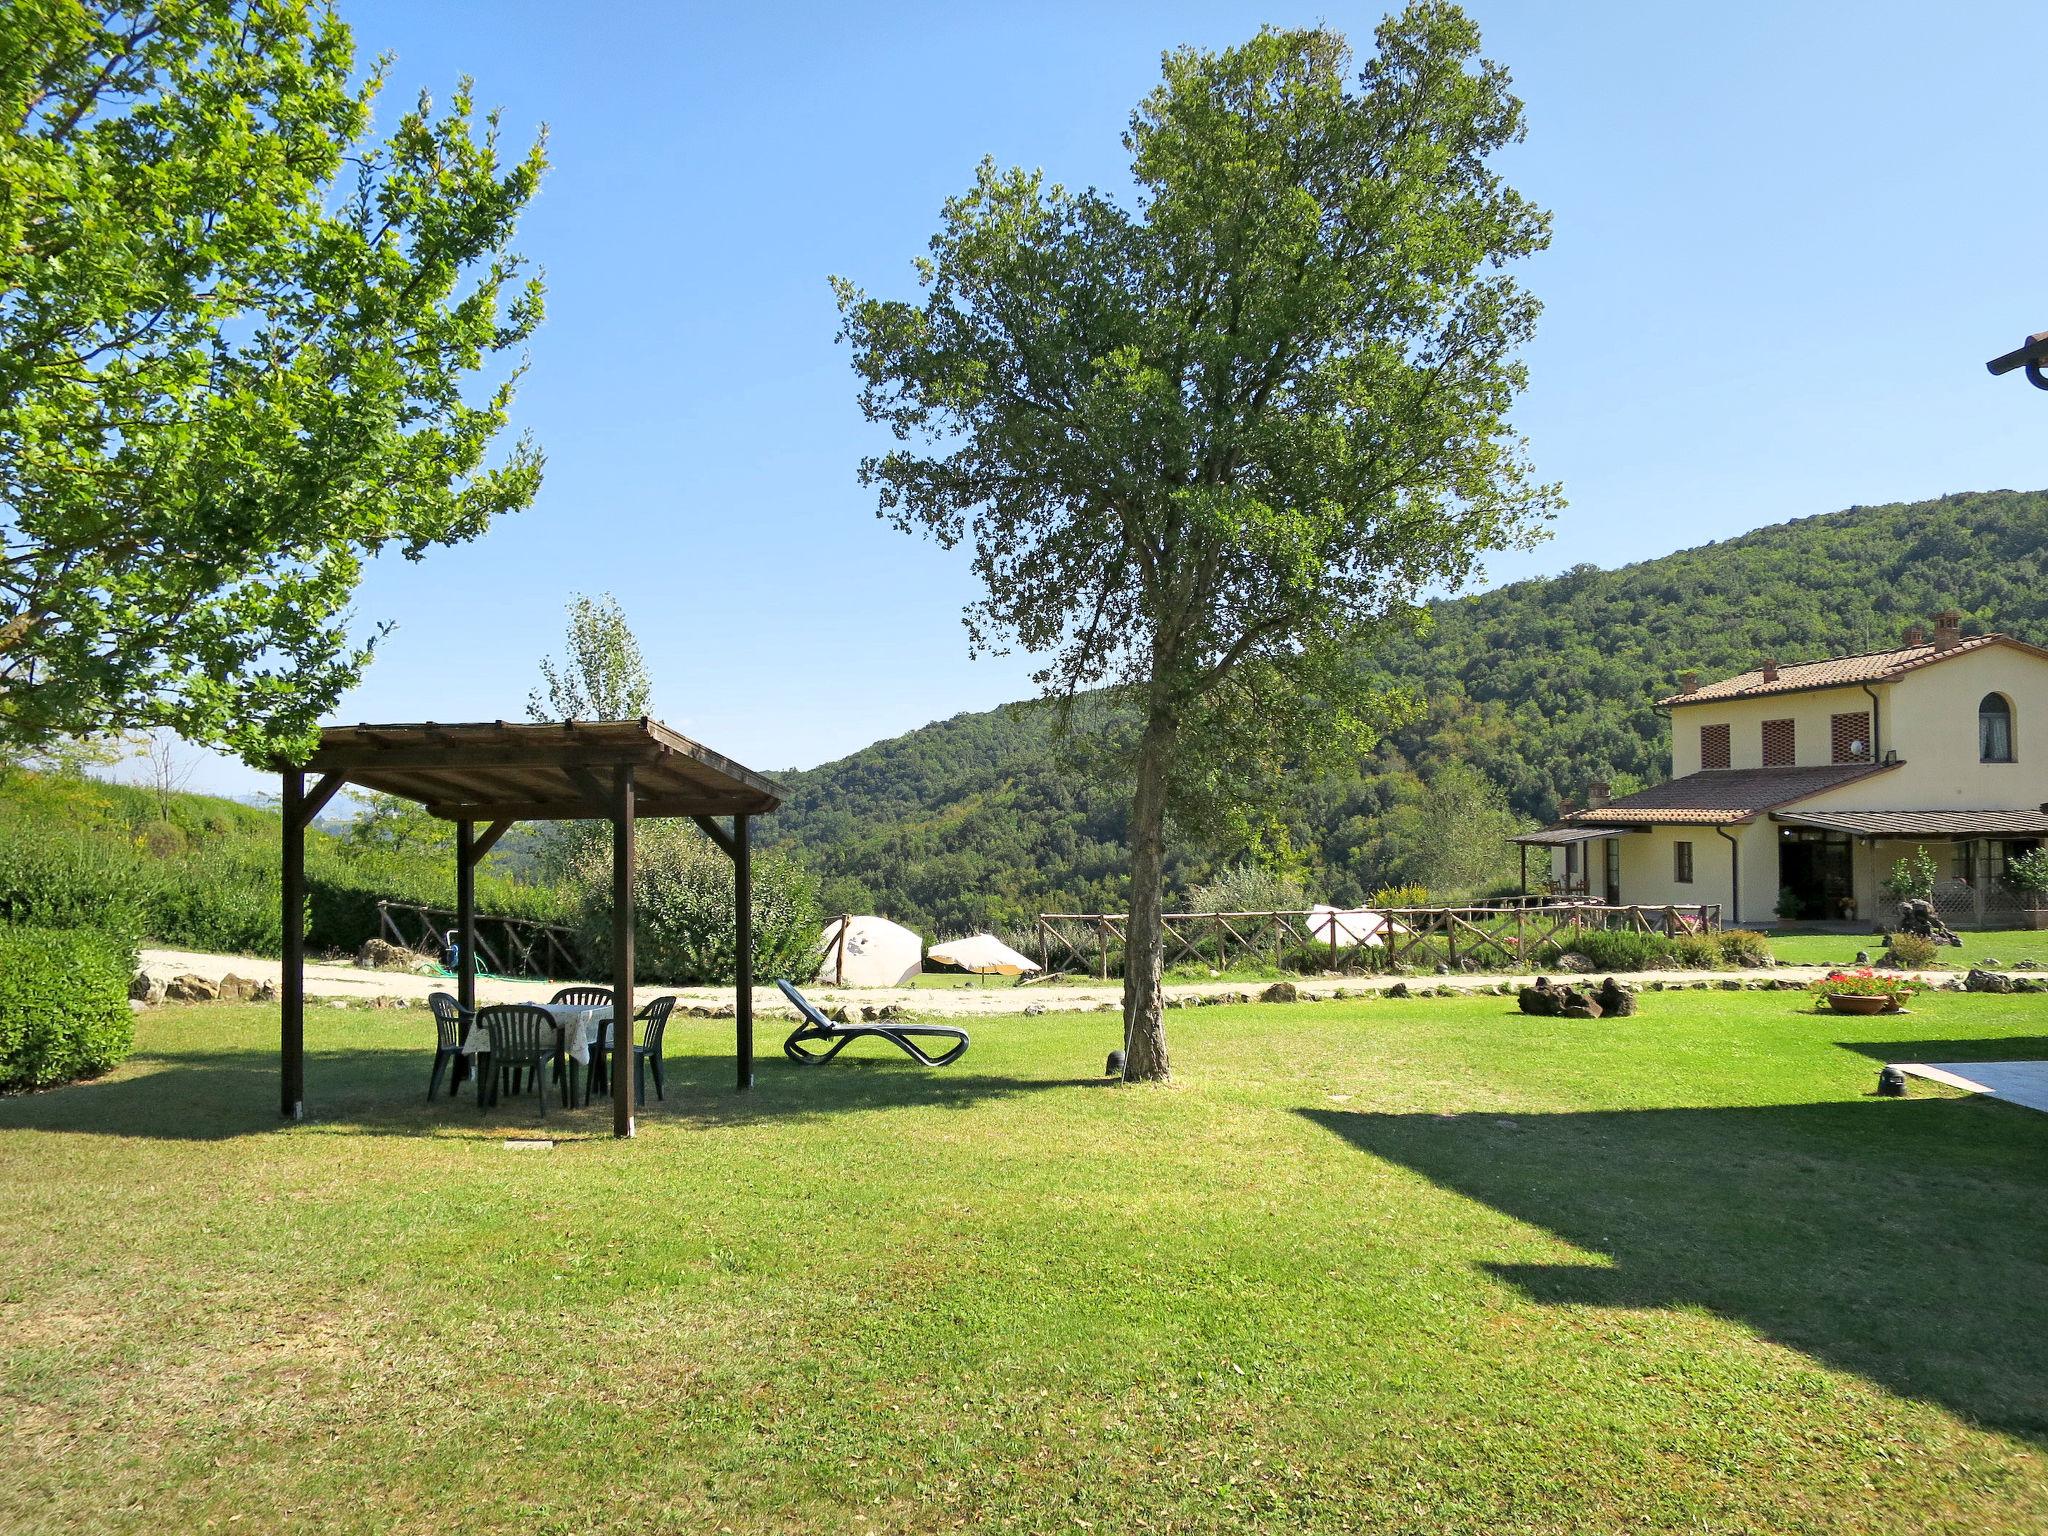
(1418, 1266)
(2006, 946)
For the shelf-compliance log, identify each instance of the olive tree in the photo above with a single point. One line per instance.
(1208, 440)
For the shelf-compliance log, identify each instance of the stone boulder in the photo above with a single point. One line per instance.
(1542, 1000)
(381, 955)
(190, 988)
(1281, 992)
(1987, 981)
(1616, 1000)
(1399, 989)
(1574, 964)
(1916, 916)
(145, 989)
(238, 989)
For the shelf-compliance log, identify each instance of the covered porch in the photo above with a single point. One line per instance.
(1836, 862)
(485, 777)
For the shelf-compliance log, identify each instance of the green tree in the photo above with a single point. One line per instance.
(239, 341)
(602, 676)
(1451, 834)
(1210, 443)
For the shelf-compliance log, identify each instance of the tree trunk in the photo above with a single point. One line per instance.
(1144, 935)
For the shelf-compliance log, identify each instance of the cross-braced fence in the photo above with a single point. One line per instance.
(1508, 937)
(535, 948)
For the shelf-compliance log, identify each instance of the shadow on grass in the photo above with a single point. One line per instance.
(216, 1095)
(1897, 1239)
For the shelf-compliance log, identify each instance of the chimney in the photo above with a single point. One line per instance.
(1914, 636)
(1688, 682)
(1948, 629)
(1596, 795)
(1769, 667)
(1566, 807)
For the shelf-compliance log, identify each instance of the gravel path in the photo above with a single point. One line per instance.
(346, 981)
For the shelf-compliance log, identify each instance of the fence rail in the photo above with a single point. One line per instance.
(536, 948)
(1396, 938)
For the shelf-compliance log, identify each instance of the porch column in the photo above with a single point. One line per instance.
(465, 914)
(292, 984)
(743, 952)
(623, 860)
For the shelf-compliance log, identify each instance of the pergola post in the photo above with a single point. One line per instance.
(623, 859)
(465, 914)
(292, 987)
(743, 952)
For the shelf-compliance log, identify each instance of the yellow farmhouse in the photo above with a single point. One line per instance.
(1794, 789)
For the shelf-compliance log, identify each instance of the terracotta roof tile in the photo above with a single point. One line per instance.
(1926, 823)
(1838, 671)
(1721, 795)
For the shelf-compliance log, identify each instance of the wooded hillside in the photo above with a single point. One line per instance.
(972, 822)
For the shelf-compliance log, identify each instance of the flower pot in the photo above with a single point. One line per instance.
(1862, 1002)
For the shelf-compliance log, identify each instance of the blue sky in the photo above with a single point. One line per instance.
(1786, 238)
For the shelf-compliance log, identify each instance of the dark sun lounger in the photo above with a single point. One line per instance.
(815, 1028)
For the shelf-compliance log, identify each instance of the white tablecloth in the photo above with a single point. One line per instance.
(579, 1024)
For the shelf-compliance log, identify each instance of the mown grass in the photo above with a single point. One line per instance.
(2007, 946)
(1418, 1266)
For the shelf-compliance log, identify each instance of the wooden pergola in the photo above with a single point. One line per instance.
(484, 777)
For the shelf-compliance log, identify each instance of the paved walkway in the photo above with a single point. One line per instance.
(341, 980)
(2017, 1082)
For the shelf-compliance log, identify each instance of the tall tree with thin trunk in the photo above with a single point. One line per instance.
(1208, 440)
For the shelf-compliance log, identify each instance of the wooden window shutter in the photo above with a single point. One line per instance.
(1849, 738)
(1779, 749)
(1713, 746)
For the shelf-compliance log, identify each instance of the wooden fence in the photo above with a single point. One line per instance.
(1480, 937)
(536, 948)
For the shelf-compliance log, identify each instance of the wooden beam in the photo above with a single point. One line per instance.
(292, 991)
(487, 840)
(743, 951)
(623, 859)
(457, 756)
(316, 800)
(465, 913)
(652, 805)
(594, 789)
(725, 840)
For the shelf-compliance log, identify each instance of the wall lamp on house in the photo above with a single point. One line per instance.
(2032, 356)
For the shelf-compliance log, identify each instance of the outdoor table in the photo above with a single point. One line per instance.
(579, 1026)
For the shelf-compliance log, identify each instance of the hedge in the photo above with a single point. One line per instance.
(63, 1004)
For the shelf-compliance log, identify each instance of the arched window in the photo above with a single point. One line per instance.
(1994, 729)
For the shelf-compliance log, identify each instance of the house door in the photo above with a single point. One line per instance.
(1815, 874)
(1613, 871)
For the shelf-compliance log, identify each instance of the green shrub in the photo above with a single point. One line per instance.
(1912, 878)
(1743, 948)
(1623, 949)
(684, 928)
(1248, 888)
(62, 879)
(63, 1004)
(1910, 951)
(1399, 896)
(1696, 951)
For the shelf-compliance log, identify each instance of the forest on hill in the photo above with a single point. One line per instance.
(1539, 686)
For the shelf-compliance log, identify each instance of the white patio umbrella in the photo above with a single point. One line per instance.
(984, 954)
(870, 952)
